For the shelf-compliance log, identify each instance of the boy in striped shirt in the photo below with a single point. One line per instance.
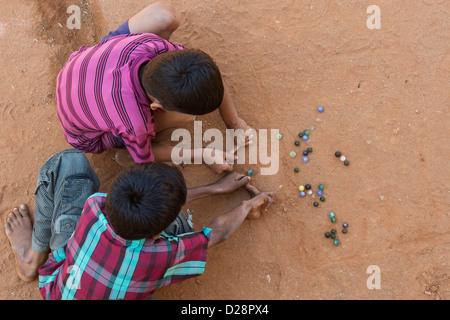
(135, 86)
(120, 245)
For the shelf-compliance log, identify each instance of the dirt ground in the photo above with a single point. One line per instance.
(386, 95)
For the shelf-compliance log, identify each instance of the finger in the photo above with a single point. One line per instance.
(238, 176)
(243, 181)
(270, 199)
(252, 190)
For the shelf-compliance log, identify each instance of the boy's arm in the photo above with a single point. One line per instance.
(226, 184)
(228, 110)
(231, 117)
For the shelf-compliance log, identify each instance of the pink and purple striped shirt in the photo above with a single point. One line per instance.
(99, 95)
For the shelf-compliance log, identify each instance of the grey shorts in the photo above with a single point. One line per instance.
(65, 182)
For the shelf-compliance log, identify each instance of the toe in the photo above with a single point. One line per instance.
(8, 227)
(24, 211)
(12, 217)
(17, 213)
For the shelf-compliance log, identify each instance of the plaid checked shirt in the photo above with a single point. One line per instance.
(99, 264)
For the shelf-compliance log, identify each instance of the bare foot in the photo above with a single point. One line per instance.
(255, 213)
(123, 158)
(19, 229)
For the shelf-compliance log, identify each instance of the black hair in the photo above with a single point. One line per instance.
(145, 199)
(187, 81)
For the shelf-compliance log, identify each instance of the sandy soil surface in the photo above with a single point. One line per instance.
(386, 98)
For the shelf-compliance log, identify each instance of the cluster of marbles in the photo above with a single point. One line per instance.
(332, 233)
(342, 158)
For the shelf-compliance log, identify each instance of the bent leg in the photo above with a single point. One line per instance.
(159, 18)
(65, 181)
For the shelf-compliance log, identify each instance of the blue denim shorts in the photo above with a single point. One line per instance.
(65, 182)
(122, 29)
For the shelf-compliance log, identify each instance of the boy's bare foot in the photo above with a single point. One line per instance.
(19, 229)
(123, 158)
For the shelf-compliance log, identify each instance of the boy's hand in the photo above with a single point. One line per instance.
(244, 138)
(219, 161)
(231, 182)
(259, 201)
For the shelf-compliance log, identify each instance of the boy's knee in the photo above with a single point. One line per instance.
(165, 15)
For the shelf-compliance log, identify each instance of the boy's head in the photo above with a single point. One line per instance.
(145, 199)
(186, 81)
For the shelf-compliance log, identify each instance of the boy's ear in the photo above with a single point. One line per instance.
(156, 105)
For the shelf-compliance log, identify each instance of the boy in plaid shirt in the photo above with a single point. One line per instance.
(121, 245)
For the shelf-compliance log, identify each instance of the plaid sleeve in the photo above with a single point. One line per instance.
(49, 272)
(189, 256)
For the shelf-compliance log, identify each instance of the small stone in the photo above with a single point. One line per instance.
(292, 154)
